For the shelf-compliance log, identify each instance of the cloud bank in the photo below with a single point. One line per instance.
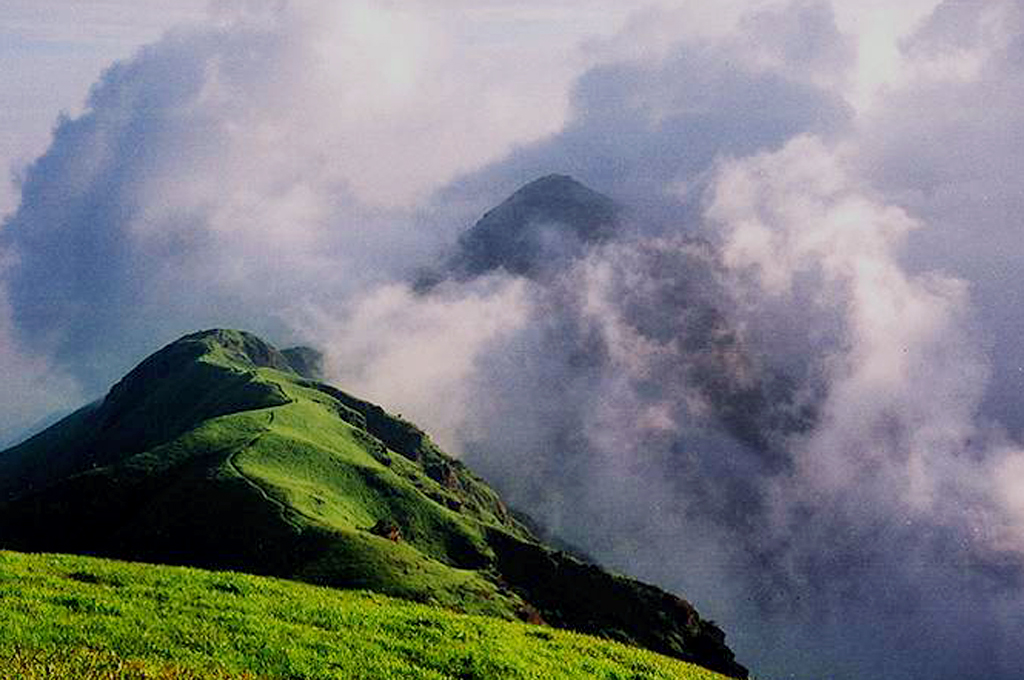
(789, 386)
(268, 160)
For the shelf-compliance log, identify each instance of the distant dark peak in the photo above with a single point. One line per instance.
(544, 224)
(306, 361)
(554, 184)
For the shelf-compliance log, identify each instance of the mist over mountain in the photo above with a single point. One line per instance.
(778, 368)
(537, 229)
(661, 406)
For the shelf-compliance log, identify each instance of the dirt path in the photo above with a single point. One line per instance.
(283, 509)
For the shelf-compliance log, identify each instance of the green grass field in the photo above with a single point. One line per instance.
(91, 619)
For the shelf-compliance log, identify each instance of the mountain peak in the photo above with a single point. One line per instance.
(237, 346)
(233, 348)
(543, 224)
(553, 182)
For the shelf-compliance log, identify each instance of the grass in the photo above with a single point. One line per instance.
(95, 619)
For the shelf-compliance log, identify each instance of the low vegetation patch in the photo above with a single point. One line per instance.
(94, 619)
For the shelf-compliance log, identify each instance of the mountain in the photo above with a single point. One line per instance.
(543, 223)
(216, 452)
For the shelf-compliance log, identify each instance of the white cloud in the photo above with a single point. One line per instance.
(286, 143)
(420, 354)
(799, 213)
(52, 51)
(947, 146)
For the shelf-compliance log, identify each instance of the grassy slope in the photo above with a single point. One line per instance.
(212, 453)
(93, 619)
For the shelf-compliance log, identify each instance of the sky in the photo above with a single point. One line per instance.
(790, 388)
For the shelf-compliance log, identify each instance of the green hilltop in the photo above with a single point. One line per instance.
(221, 452)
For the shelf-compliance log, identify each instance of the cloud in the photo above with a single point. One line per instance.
(230, 172)
(793, 428)
(947, 147)
(861, 481)
(643, 129)
(66, 46)
(906, 372)
(393, 341)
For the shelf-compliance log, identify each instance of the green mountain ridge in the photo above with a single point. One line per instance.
(216, 452)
